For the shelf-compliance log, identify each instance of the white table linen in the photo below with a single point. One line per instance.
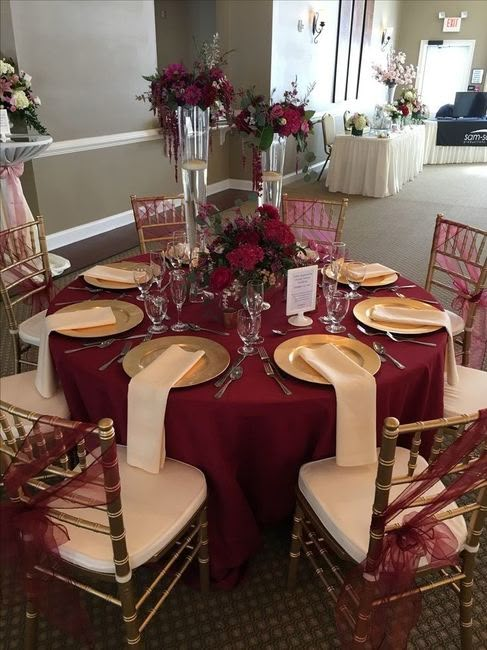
(110, 273)
(372, 166)
(434, 155)
(355, 390)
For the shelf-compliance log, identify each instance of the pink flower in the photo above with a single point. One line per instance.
(276, 112)
(305, 127)
(292, 121)
(192, 95)
(174, 70)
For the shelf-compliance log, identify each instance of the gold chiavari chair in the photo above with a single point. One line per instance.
(315, 218)
(25, 284)
(337, 513)
(328, 128)
(142, 518)
(156, 219)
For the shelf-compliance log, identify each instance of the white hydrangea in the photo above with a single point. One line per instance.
(20, 99)
(360, 122)
(6, 68)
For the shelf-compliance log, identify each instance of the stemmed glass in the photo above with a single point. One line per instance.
(248, 327)
(158, 268)
(156, 307)
(337, 304)
(179, 290)
(254, 301)
(354, 274)
(328, 286)
(143, 279)
(338, 257)
(179, 248)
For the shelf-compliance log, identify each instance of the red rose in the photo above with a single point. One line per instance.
(242, 122)
(404, 110)
(245, 257)
(268, 210)
(278, 232)
(291, 121)
(221, 278)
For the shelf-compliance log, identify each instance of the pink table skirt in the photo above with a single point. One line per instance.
(251, 443)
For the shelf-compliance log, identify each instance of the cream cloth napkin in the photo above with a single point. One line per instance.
(46, 380)
(376, 270)
(109, 273)
(356, 403)
(147, 399)
(404, 315)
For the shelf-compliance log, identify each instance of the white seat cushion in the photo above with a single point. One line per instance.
(30, 329)
(469, 395)
(457, 322)
(342, 498)
(155, 508)
(20, 391)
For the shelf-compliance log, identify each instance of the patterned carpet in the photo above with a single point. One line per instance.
(259, 613)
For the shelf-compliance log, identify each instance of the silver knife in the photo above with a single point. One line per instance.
(219, 382)
(122, 353)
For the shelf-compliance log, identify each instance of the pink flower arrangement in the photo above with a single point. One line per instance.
(205, 86)
(17, 97)
(260, 119)
(396, 71)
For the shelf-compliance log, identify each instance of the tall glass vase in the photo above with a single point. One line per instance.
(390, 93)
(272, 161)
(194, 131)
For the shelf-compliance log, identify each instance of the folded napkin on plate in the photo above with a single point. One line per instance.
(147, 399)
(356, 403)
(407, 316)
(45, 380)
(377, 270)
(110, 273)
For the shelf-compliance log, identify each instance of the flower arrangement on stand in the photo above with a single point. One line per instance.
(17, 97)
(264, 123)
(396, 72)
(357, 122)
(205, 87)
(409, 99)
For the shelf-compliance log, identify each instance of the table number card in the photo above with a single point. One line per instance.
(301, 294)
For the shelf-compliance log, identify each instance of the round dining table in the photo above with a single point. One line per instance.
(250, 443)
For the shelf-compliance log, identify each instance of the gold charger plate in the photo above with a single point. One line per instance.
(288, 359)
(126, 314)
(362, 311)
(379, 281)
(215, 360)
(110, 284)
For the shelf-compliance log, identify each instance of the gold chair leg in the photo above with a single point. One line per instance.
(361, 630)
(203, 554)
(295, 550)
(466, 621)
(31, 620)
(129, 613)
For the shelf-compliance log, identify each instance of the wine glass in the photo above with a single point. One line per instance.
(328, 286)
(179, 290)
(322, 250)
(354, 274)
(143, 279)
(248, 327)
(179, 248)
(337, 304)
(254, 301)
(339, 254)
(156, 307)
(156, 268)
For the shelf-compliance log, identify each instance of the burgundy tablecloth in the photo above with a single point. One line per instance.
(251, 443)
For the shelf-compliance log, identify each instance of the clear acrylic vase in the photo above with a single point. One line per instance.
(272, 161)
(194, 132)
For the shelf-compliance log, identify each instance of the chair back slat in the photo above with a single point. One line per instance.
(156, 219)
(314, 219)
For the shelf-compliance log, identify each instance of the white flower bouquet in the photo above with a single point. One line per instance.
(16, 95)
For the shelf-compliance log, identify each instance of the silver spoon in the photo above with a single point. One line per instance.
(391, 336)
(291, 329)
(380, 349)
(102, 344)
(234, 375)
(197, 328)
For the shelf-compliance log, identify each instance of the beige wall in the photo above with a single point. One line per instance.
(419, 21)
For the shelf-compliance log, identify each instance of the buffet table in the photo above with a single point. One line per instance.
(373, 166)
(251, 443)
(441, 155)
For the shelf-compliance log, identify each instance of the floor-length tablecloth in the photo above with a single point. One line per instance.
(251, 443)
(434, 155)
(373, 166)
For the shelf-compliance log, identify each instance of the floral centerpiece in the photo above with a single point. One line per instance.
(257, 247)
(17, 97)
(260, 119)
(410, 105)
(205, 86)
(393, 111)
(396, 72)
(357, 122)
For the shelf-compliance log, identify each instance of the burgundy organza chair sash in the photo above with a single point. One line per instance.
(29, 536)
(392, 568)
(14, 249)
(461, 242)
(311, 213)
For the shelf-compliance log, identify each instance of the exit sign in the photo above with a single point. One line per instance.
(452, 24)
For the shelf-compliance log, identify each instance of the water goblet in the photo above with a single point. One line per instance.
(354, 274)
(328, 286)
(179, 290)
(180, 252)
(156, 268)
(339, 254)
(143, 279)
(337, 304)
(156, 307)
(254, 301)
(248, 329)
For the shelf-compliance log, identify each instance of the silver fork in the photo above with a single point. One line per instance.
(269, 371)
(122, 353)
(393, 338)
(265, 357)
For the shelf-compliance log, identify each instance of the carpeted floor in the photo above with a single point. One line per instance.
(259, 613)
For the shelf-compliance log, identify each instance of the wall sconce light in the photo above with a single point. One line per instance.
(441, 15)
(317, 26)
(386, 38)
